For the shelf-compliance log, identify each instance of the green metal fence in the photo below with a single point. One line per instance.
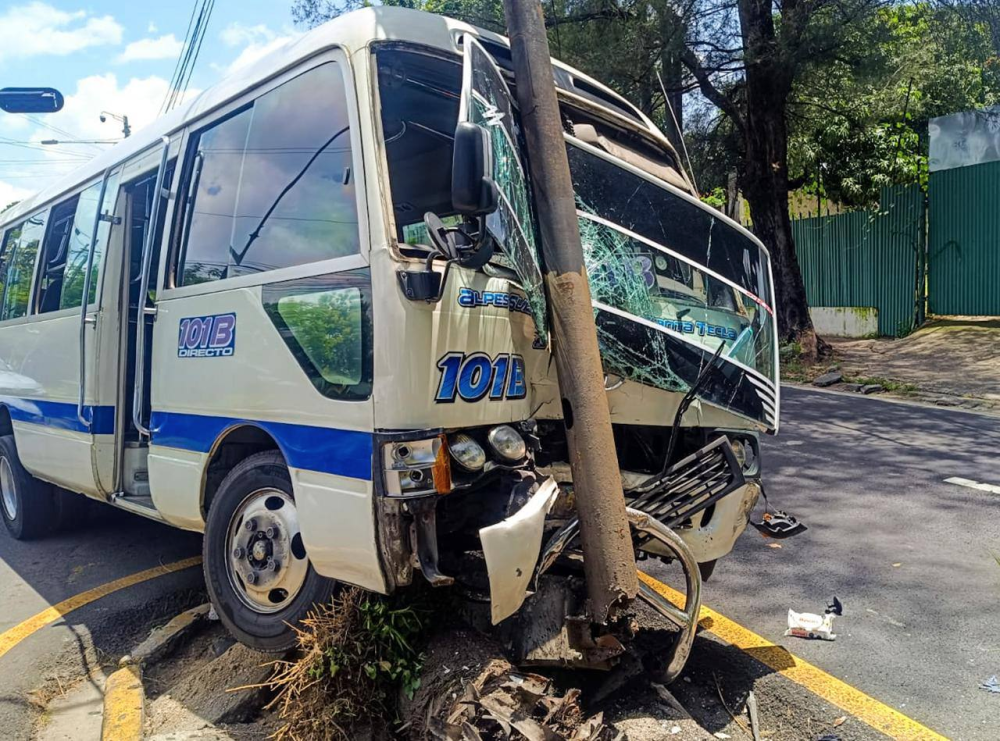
(964, 250)
(867, 258)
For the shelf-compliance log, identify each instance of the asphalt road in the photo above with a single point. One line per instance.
(910, 556)
(36, 575)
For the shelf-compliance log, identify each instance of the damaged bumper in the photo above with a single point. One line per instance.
(511, 549)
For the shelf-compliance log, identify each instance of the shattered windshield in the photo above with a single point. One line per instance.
(671, 280)
(672, 284)
(487, 101)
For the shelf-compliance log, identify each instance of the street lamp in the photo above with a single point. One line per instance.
(126, 129)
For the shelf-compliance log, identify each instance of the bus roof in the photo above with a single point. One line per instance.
(351, 32)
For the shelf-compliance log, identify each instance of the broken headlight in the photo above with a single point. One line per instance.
(467, 452)
(414, 467)
(507, 443)
(746, 454)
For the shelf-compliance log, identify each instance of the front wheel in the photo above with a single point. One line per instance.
(256, 568)
(26, 503)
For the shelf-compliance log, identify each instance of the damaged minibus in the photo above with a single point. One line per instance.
(303, 314)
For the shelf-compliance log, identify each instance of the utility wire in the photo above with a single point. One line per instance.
(201, 14)
(62, 132)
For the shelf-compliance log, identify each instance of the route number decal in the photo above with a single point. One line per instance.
(207, 336)
(475, 376)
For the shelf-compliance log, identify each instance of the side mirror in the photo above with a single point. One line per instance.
(473, 192)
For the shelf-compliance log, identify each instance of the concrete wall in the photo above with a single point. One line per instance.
(845, 321)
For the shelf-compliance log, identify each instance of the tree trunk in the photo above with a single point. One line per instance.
(765, 169)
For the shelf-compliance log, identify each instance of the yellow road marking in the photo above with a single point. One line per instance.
(13, 636)
(879, 716)
(124, 705)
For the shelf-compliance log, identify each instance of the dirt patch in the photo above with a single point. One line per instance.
(950, 361)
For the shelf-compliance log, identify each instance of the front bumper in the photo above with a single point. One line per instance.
(713, 532)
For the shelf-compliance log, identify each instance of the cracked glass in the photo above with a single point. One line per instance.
(661, 311)
(487, 101)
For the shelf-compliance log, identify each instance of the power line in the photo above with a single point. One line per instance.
(25, 145)
(51, 127)
(197, 26)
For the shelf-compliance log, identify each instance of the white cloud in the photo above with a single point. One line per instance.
(10, 193)
(37, 29)
(138, 98)
(151, 28)
(257, 41)
(238, 34)
(164, 47)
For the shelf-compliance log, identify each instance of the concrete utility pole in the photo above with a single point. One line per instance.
(609, 561)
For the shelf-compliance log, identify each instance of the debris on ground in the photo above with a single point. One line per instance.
(810, 625)
(752, 712)
(991, 685)
(828, 379)
(779, 525)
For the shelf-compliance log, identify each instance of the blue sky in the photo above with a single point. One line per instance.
(113, 55)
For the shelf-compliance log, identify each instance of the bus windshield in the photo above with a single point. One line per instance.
(681, 295)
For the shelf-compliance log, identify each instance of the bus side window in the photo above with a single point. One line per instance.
(78, 251)
(10, 238)
(272, 185)
(54, 250)
(19, 266)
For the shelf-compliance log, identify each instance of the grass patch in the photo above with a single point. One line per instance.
(358, 654)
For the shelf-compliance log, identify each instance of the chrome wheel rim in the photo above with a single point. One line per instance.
(266, 559)
(7, 490)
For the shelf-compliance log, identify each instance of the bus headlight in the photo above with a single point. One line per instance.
(467, 453)
(417, 467)
(746, 454)
(740, 451)
(507, 443)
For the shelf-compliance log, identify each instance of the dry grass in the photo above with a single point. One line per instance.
(357, 655)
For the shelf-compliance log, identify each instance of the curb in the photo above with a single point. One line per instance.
(124, 694)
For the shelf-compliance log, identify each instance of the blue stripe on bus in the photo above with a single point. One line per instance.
(60, 414)
(324, 449)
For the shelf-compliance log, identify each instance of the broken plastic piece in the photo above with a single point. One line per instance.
(779, 525)
(810, 625)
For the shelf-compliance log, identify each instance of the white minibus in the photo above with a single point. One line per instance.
(303, 314)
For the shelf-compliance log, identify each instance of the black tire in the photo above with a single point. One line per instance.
(270, 632)
(27, 504)
(72, 510)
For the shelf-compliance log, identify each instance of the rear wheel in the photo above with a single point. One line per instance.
(256, 568)
(26, 504)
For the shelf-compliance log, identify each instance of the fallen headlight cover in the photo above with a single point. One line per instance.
(466, 452)
(507, 443)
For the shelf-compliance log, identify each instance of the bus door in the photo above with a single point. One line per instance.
(145, 216)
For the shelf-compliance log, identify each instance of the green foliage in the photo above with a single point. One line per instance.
(381, 650)
(858, 121)
(357, 654)
(716, 198)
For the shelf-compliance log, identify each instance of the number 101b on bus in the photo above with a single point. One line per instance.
(207, 336)
(471, 377)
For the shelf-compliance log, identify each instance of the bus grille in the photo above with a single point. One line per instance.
(691, 485)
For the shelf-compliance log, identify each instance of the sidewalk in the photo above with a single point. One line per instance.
(950, 361)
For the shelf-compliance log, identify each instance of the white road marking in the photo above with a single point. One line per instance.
(970, 484)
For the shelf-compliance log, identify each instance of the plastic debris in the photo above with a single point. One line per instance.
(778, 524)
(991, 685)
(810, 625)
